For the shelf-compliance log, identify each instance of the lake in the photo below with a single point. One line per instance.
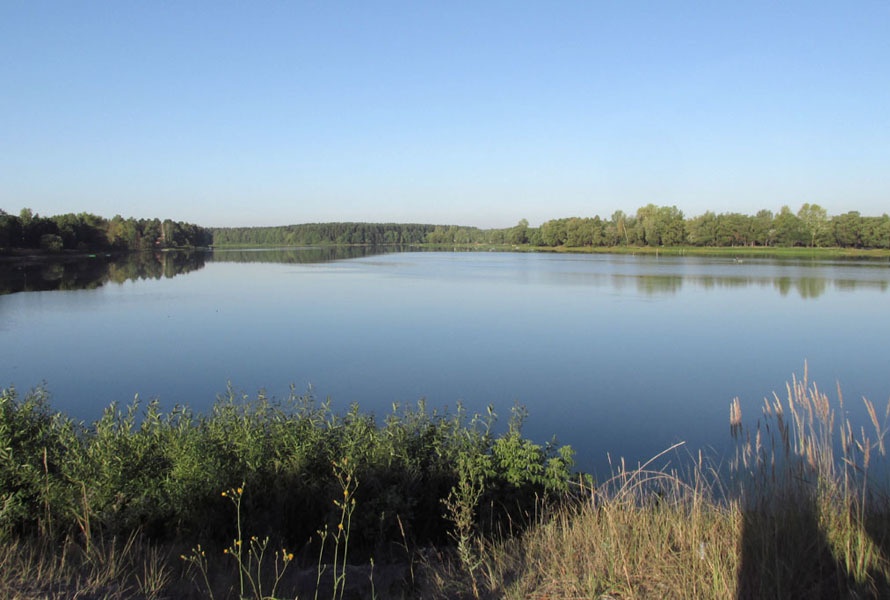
(615, 355)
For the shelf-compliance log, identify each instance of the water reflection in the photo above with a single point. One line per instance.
(807, 287)
(61, 273)
(659, 284)
(301, 255)
(803, 286)
(48, 273)
(649, 277)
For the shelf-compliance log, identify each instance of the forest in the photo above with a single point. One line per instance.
(312, 234)
(651, 225)
(88, 232)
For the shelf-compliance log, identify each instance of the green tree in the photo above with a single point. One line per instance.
(814, 222)
(67, 226)
(26, 215)
(847, 229)
(519, 234)
(620, 235)
(876, 232)
(579, 233)
(661, 226)
(151, 233)
(553, 232)
(763, 231)
(702, 230)
(735, 229)
(10, 230)
(622, 229)
(34, 228)
(789, 229)
(51, 242)
(646, 228)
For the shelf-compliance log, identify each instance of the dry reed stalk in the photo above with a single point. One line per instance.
(812, 494)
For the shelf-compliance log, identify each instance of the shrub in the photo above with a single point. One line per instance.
(138, 468)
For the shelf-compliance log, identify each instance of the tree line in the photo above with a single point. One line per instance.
(655, 225)
(651, 225)
(313, 234)
(85, 231)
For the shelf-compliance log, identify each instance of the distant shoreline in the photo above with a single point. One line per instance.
(29, 256)
(715, 251)
(25, 256)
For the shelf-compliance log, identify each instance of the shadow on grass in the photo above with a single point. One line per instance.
(813, 524)
(786, 554)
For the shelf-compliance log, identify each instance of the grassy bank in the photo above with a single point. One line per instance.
(797, 252)
(730, 252)
(265, 499)
(741, 252)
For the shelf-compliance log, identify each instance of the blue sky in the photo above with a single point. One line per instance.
(472, 113)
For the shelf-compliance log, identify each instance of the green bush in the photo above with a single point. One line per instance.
(161, 473)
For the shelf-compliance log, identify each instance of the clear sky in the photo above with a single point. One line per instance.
(471, 113)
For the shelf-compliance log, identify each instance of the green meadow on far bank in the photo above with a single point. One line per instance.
(776, 252)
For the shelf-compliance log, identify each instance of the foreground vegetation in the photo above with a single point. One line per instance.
(796, 516)
(264, 499)
(142, 478)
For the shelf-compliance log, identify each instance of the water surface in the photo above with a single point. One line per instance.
(612, 354)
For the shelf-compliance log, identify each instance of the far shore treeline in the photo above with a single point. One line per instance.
(651, 225)
(86, 231)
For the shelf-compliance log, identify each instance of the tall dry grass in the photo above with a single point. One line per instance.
(798, 513)
(112, 570)
(647, 532)
(812, 493)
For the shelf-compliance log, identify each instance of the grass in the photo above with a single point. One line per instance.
(796, 516)
(796, 252)
(779, 252)
(799, 511)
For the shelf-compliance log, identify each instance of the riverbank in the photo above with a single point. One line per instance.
(741, 252)
(798, 514)
(35, 257)
(27, 256)
(734, 252)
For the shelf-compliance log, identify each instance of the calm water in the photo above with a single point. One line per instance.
(612, 354)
